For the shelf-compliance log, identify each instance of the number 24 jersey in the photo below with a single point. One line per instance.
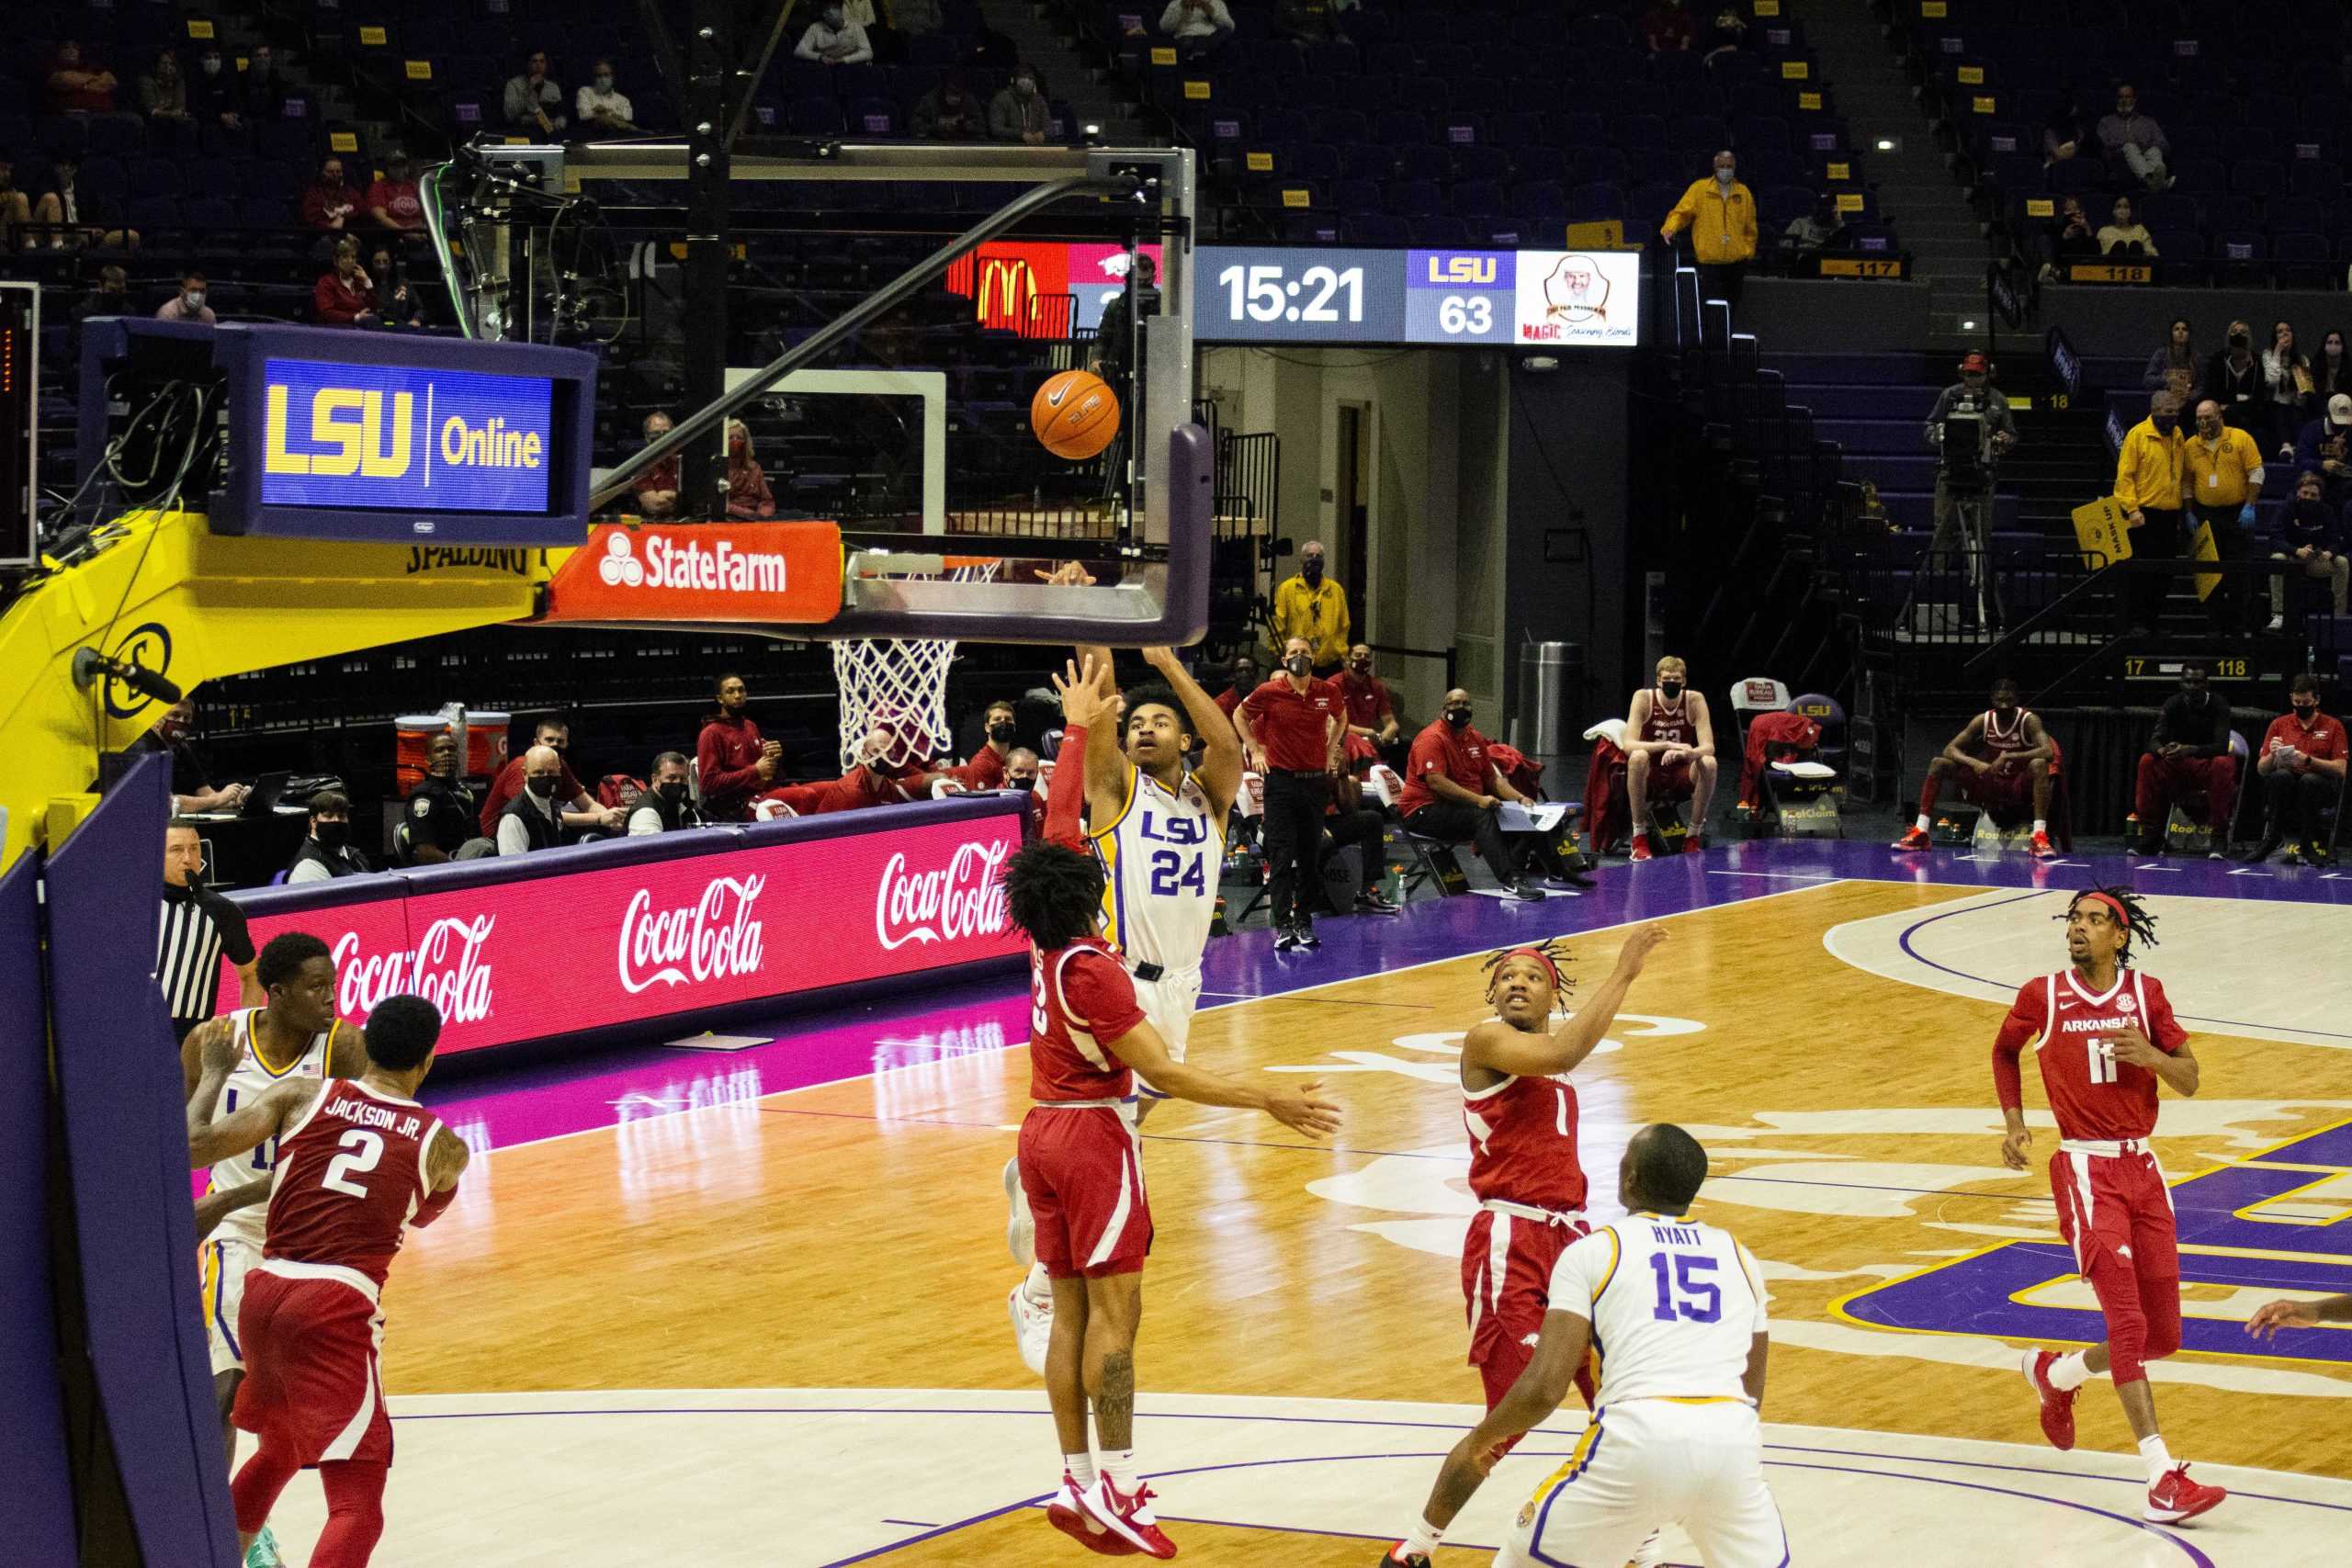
(1160, 859)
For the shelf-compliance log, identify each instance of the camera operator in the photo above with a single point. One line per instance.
(1970, 430)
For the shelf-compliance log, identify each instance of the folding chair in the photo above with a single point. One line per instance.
(1433, 859)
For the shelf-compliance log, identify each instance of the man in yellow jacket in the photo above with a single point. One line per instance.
(1720, 212)
(2150, 485)
(1311, 607)
(2223, 468)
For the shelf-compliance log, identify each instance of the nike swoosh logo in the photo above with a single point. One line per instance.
(1054, 398)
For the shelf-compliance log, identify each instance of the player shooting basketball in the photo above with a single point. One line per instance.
(2107, 1035)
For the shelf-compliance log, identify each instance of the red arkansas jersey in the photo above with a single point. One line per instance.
(1670, 721)
(1524, 1143)
(2002, 740)
(2092, 1095)
(350, 1178)
(1078, 997)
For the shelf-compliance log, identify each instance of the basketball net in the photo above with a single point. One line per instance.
(900, 686)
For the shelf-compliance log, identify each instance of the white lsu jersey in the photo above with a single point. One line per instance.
(1674, 1306)
(1161, 856)
(247, 1082)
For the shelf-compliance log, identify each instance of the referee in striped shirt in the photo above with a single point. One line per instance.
(199, 928)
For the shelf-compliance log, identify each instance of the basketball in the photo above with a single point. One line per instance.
(1075, 415)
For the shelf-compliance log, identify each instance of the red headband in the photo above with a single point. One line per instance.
(2122, 917)
(1545, 959)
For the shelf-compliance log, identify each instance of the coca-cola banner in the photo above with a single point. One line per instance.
(783, 910)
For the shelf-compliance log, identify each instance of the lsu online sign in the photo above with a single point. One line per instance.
(405, 438)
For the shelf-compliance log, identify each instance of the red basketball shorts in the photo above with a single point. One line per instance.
(2116, 1213)
(311, 1382)
(1507, 1262)
(1677, 783)
(1081, 1169)
(2000, 790)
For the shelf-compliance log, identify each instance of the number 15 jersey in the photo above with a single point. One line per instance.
(1161, 858)
(1674, 1305)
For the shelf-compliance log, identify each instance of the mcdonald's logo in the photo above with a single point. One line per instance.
(1006, 285)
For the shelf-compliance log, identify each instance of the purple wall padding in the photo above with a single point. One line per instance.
(36, 1500)
(125, 1145)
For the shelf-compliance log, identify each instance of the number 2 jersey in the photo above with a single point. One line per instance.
(247, 1082)
(2093, 1096)
(1675, 1306)
(1160, 859)
(350, 1177)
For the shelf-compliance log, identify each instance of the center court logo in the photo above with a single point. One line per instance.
(714, 938)
(962, 899)
(722, 568)
(446, 968)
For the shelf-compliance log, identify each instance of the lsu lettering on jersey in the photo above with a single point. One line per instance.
(1161, 858)
(247, 1082)
(1674, 1306)
(2093, 1097)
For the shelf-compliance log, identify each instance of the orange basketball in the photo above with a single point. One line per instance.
(1075, 415)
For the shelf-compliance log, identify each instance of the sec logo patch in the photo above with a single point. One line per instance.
(1527, 1515)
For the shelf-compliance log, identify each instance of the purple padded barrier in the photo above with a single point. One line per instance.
(126, 1146)
(37, 1503)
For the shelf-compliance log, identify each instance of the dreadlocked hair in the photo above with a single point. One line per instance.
(1549, 949)
(2138, 925)
(1053, 893)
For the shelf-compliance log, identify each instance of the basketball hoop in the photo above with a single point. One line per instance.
(899, 686)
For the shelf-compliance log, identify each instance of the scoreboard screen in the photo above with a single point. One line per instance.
(1479, 298)
(19, 411)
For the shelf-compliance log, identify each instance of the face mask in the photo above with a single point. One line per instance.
(1361, 666)
(195, 298)
(1026, 87)
(1458, 718)
(2306, 711)
(542, 787)
(332, 835)
(1312, 571)
(557, 747)
(2237, 339)
(673, 792)
(1298, 665)
(604, 84)
(1017, 782)
(738, 447)
(2164, 425)
(1722, 177)
(1003, 732)
(212, 65)
(1669, 690)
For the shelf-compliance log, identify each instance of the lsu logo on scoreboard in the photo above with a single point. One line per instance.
(371, 434)
(1463, 268)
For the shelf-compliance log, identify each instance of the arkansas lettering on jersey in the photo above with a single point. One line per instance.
(1524, 1143)
(1079, 997)
(2000, 741)
(350, 1178)
(1670, 722)
(2092, 1095)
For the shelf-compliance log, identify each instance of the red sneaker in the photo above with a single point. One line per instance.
(1067, 1514)
(1915, 839)
(2041, 847)
(2176, 1498)
(1130, 1518)
(1693, 843)
(2057, 1404)
(1641, 847)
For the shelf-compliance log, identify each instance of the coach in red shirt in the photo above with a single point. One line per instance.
(1454, 793)
(1290, 732)
(1372, 713)
(2301, 763)
(731, 760)
(1245, 680)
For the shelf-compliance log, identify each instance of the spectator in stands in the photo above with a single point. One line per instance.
(1310, 21)
(2287, 375)
(215, 96)
(657, 486)
(2135, 140)
(989, 764)
(2301, 764)
(398, 304)
(2224, 471)
(1720, 212)
(1810, 233)
(1314, 610)
(187, 305)
(601, 106)
(16, 206)
(580, 811)
(2150, 485)
(531, 820)
(834, 39)
(908, 17)
(327, 854)
(266, 86)
(1019, 113)
(1454, 793)
(2233, 378)
(345, 296)
(193, 790)
(2126, 236)
(534, 100)
(72, 222)
(2311, 539)
(2188, 756)
(733, 760)
(162, 95)
(1666, 27)
(439, 817)
(110, 297)
(2331, 369)
(667, 803)
(1727, 34)
(2063, 135)
(1245, 680)
(1372, 712)
(2320, 448)
(949, 113)
(747, 486)
(2070, 236)
(328, 202)
(1200, 27)
(78, 81)
(392, 201)
(2175, 365)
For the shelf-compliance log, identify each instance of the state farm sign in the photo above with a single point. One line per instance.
(734, 915)
(759, 573)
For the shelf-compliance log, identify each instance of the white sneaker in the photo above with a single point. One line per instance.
(1651, 1553)
(2277, 622)
(1033, 1327)
(1020, 1227)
